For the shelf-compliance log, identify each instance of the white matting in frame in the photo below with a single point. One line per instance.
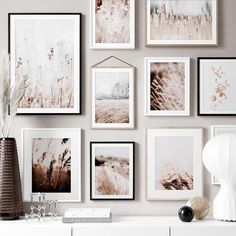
(219, 130)
(174, 163)
(52, 163)
(167, 86)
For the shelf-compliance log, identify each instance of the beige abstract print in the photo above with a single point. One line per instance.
(45, 52)
(112, 171)
(112, 21)
(167, 86)
(181, 20)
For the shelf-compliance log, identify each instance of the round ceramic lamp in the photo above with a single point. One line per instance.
(219, 157)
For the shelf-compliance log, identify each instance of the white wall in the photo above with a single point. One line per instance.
(227, 33)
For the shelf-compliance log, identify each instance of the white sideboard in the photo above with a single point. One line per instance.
(121, 226)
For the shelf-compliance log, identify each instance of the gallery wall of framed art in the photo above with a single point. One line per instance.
(175, 82)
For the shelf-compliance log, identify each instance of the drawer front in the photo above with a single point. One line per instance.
(121, 230)
(203, 231)
(39, 230)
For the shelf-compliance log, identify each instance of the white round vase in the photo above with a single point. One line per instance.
(219, 157)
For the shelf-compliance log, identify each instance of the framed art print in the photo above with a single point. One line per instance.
(167, 84)
(113, 24)
(113, 98)
(47, 47)
(181, 22)
(219, 130)
(174, 163)
(112, 170)
(52, 163)
(216, 86)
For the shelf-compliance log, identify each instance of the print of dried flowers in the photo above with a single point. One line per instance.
(10, 94)
(221, 87)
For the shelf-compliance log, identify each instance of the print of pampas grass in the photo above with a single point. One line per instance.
(167, 86)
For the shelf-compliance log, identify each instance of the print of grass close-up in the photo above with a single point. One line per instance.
(51, 165)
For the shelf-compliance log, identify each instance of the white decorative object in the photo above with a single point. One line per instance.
(219, 159)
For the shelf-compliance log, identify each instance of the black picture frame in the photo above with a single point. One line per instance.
(199, 112)
(80, 57)
(91, 172)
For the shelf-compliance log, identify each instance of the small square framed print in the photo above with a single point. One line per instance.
(167, 86)
(219, 130)
(216, 86)
(174, 163)
(113, 24)
(47, 48)
(181, 22)
(113, 98)
(112, 170)
(52, 163)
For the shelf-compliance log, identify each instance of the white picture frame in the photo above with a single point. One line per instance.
(63, 146)
(117, 161)
(219, 130)
(166, 149)
(155, 27)
(216, 86)
(109, 25)
(113, 96)
(47, 48)
(169, 101)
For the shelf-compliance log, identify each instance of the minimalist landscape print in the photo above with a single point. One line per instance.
(47, 50)
(167, 86)
(217, 86)
(180, 20)
(112, 171)
(174, 166)
(112, 98)
(51, 165)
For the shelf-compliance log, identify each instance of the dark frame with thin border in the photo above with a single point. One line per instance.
(199, 85)
(91, 169)
(80, 56)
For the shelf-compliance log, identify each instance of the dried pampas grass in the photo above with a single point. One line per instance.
(10, 94)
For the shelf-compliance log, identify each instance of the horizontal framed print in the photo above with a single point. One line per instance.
(167, 84)
(52, 163)
(113, 98)
(181, 22)
(113, 24)
(112, 170)
(47, 48)
(174, 164)
(219, 130)
(216, 86)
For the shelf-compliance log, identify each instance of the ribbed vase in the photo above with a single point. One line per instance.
(11, 205)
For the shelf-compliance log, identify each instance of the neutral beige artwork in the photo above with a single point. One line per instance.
(181, 20)
(51, 165)
(112, 97)
(112, 21)
(167, 86)
(112, 171)
(45, 52)
(174, 163)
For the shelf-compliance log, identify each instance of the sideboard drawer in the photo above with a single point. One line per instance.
(35, 230)
(112, 230)
(203, 231)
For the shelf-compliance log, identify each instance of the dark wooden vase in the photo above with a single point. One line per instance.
(11, 205)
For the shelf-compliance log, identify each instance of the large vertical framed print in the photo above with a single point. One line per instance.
(47, 47)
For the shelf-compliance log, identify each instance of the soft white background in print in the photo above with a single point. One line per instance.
(176, 152)
(209, 85)
(135, 57)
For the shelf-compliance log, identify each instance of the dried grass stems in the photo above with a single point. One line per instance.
(112, 21)
(10, 94)
(167, 86)
(168, 25)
